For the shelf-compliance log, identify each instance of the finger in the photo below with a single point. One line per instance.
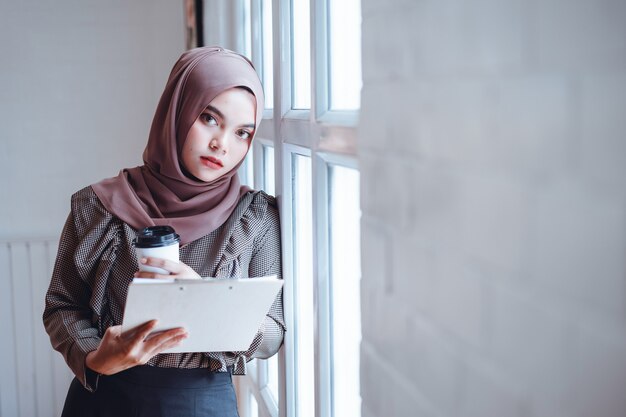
(149, 350)
(148, 274)
(153, 344)
(173, 342)
(166, 264)
(175, 269)
(173, 332)
(139, 333)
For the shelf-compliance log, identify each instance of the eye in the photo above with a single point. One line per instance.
(244, 134)
(208, 119)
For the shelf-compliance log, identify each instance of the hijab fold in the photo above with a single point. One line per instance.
(158, 192)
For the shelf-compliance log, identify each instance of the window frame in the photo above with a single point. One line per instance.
(328, 137)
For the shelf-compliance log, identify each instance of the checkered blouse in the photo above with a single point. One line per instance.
(96, 262)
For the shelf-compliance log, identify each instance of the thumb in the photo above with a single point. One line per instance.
(114, 331)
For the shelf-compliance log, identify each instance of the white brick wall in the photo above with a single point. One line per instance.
(79, 83)
(493, 170)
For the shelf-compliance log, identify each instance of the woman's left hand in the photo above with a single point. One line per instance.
(175, 269)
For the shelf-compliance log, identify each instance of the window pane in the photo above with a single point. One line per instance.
(300, 54)
(345, 290)
(246, 170)
(254, 406)
(272, 376)
(247, 30)
(268, 170)
(303, 285)
(268, 54)
(345, 54)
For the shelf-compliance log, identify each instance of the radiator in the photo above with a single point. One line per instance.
(33, 377)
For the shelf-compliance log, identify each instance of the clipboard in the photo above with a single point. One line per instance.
(220, 315)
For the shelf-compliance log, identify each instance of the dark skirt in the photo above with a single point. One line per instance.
(146, 391)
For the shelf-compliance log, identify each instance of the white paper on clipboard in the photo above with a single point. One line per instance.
(220, 315)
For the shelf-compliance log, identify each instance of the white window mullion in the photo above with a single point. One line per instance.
(266, 129)
(319, 59)
(322, 290)
(320, 218)
(287, 355)
(282, 176)
(297, 132)
(256, 36)
(303, 324)
(339, 140)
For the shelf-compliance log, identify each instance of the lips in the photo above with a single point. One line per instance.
(212, 162)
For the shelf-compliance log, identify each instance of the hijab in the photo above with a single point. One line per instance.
(158, 192)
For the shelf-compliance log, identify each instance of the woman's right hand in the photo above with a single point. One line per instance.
(119, 351)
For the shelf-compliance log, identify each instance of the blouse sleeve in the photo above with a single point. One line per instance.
(67, 316)
(87, 248)
(266, 260)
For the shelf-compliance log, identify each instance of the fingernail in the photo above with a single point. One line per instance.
(143, 260)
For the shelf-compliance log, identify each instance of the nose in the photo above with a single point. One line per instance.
(216, 144)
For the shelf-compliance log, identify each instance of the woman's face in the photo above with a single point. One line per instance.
(220, 137)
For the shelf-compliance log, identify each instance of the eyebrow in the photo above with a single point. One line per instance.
(221, 116)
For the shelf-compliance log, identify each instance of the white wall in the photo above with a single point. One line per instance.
(79, 83)
(493, 167)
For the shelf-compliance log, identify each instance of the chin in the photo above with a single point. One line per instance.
(212, 177)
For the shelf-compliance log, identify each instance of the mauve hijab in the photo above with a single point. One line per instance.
(158, 192)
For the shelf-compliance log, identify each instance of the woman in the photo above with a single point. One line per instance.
(200, 134)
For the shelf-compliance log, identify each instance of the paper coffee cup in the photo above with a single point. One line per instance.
(156, 242)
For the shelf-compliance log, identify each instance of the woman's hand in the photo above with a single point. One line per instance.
(119, 351)
(175, 269)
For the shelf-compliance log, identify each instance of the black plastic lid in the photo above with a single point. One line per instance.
(156, 237)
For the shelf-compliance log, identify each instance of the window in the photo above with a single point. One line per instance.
(300, 54)
(308, 55)
(246, 171)
(268, 55)
(268, 170)
(303, 286)
(247, 29)
(345, 276)
(269, 186)
(345, 54)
